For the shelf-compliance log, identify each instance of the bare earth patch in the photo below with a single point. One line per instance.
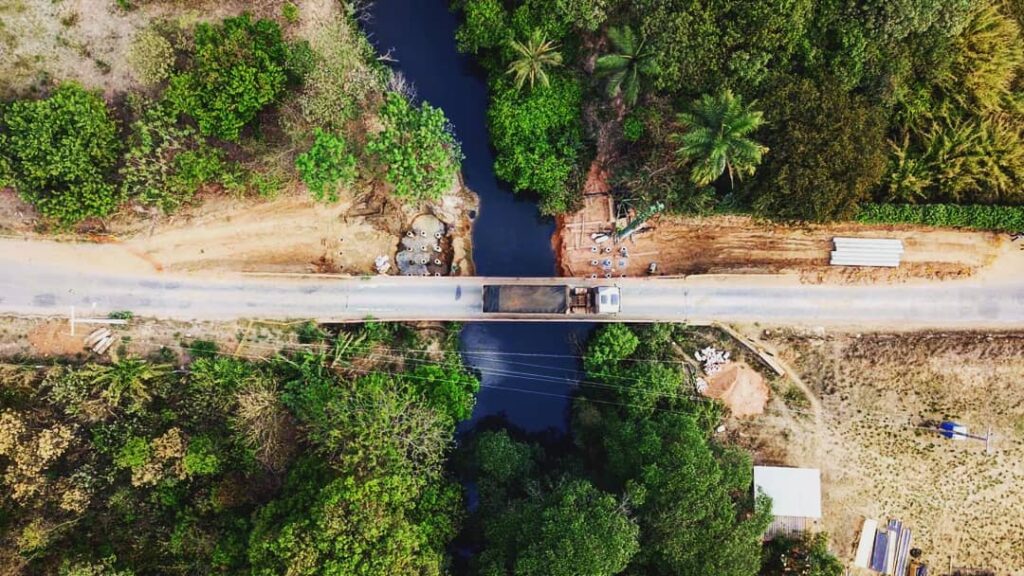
(739, 244)
(879, 393)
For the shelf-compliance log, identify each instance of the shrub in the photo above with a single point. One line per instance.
(167, 163)
(326, 165)
(151, 56)
(633, 128)
(538, 138)
(237, 69)
(340, 79)
(417, 147)
(201, 458)
(61, 151)
(981, 217)
(290, 12)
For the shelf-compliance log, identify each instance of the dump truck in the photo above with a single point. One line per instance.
(550, 299)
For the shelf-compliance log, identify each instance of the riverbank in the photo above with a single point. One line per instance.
(679, 246)
(292, 233)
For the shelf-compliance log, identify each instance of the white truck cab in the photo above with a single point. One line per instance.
(606, 300)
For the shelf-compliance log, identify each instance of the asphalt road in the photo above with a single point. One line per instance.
(30, 286)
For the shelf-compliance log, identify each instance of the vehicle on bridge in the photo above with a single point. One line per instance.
(551, 299)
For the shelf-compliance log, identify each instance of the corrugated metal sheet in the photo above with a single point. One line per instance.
(866, 544)
(884, 252)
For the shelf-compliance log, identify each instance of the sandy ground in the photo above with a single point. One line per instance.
(290, 234)
(51, 339)
(736, 244)
(874, 394)
(44, 42)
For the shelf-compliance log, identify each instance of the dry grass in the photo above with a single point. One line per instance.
(966, 506)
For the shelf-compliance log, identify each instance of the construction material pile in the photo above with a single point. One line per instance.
(741, 388)
(883, 252)
(887, 550)
(712, 359)
(422, 253)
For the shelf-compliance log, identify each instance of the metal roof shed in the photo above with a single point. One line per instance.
(795, 494)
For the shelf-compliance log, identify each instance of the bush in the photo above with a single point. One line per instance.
(633, 128)
(60, 152)
(980, 217)
(340, 79)
(417, 147)
(237, 69)
(151, 57)
(538, 138)
(326, 165)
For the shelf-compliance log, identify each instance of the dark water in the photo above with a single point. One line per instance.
(509, 236)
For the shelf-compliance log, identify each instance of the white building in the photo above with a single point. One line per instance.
(795, 494)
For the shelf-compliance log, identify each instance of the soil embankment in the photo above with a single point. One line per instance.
(743, 245)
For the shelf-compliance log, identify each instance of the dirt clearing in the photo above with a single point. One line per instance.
(878, 393)
(739, 244)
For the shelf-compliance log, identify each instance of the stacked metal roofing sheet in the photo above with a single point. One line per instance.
(867, 252)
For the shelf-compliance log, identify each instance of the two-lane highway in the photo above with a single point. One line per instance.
(33, 284)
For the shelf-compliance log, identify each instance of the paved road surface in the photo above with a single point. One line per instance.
(34, 285)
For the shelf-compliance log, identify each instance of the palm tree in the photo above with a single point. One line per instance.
(532, 58)
(626, 64)
(715, 138)
(129, 377)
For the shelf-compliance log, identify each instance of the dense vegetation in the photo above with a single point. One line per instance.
(232, 106)
(337, 458)
(315, 462)
(908, 102)
(641, 489)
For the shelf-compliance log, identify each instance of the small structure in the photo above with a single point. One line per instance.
(884, 252)
(795, 494)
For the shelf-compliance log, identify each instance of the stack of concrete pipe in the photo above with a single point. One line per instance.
(884, 252)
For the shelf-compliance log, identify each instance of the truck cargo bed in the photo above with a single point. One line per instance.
(526, 299)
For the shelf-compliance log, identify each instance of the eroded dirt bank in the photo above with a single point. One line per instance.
(743, 245)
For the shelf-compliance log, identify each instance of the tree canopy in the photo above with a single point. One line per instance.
(60, 152)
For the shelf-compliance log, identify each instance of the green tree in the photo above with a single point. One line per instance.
(828, 153)
(586, 14)
(326, 165)
(532, 60)
(237, 69)
(624, 67)
(484, 28)
(60, 152)
(988, 57)
(703, 46)
(417, 148)
(342, 525)
(806, 554)
(575, 530)
(538, 137)
(716, 138)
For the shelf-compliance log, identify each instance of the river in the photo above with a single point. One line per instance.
(527, 370)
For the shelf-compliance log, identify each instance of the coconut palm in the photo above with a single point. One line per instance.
(126, 379)
(715, 138)
(624, 67)
(532, 59)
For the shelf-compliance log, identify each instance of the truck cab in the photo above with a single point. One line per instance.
(606, 300)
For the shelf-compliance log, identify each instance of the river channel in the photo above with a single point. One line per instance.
(528, 370)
